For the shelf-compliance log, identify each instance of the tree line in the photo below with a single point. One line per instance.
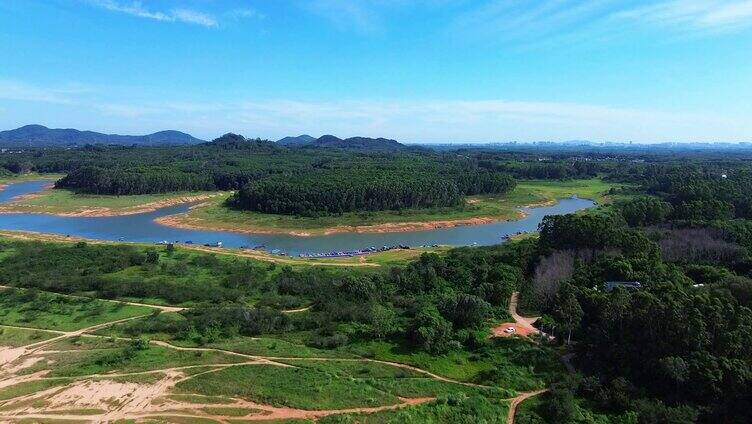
(270, 178)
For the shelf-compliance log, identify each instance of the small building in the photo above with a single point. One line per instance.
(632, 285)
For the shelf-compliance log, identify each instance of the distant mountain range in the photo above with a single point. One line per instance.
(352, 143)
(39, 135)
(300, 140)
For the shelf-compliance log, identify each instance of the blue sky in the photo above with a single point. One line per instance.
(414, 70)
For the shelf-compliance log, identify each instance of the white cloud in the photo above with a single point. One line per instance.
(135, 8)
(193, 17)
(531, 22)
(695, 14)
(17, 90)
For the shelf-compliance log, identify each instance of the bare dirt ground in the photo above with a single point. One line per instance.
(523, 325)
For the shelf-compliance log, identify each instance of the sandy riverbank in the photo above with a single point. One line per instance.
(184, 221)
(100, 211)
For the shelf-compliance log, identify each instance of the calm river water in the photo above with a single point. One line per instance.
(141, 228)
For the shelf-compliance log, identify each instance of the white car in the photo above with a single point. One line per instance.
(509, 330)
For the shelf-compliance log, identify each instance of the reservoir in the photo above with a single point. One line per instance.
(142, 228)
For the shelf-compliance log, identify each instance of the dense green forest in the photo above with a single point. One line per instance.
(274, 179)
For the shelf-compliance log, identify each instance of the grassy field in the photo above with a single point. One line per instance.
(22, 389)
(50, 311)
(60, 201)
(122, 357)
(511, 361)
(15, 337)
(214, 215)
(534, 410)
(292, 387)
(110, 361)
(449, 409)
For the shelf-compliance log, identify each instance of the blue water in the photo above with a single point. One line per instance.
(141, 228)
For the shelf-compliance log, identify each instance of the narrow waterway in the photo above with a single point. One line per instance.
(141, 228)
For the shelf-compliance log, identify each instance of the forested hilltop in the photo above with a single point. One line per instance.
(275, 179)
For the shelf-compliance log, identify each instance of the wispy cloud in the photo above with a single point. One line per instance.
(695, 14)
(18, 90)
(536, 21)
(528, 20)
(136, 8)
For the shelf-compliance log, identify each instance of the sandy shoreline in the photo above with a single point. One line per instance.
(180, 221)
(104, 211)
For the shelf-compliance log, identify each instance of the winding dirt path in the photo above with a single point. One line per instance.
(515, 402)
(123, 400)
(134, 401)
(295, 311)
(33, 347)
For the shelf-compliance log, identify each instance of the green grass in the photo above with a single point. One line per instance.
(259, 346)
(197, 399)
(27, 308)
(429, 387)
(147, 379)
(15, 337)
(282, 421)
(534, 191)
(230, 412)
(86, 343)
(451, 409)
(455, 365)
(66, 201)
(356, 369)
(533, 411)
(507, 363)
(282, 386)
(179, 420)
(217, 216)
(274, 347)
(126, 360)
(29, 387)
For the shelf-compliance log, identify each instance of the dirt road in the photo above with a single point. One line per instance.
(523, 326)
(518, 400)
